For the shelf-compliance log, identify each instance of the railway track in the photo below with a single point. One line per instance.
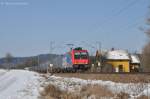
(115, 72)
(88, 72)
(139, 73)
(85, 72)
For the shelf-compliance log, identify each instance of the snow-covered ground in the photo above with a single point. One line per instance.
(19, 84)
(22, 84)
(75, 84)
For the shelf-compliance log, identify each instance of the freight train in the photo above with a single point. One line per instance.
(75, 60)
(78, 59)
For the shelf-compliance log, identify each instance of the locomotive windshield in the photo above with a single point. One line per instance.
(81, 55)
(77, 55)
(84, 55)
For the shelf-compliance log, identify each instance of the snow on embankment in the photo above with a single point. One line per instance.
(19, 84)
(75, 85)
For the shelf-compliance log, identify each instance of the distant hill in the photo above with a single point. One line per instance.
(42, 58)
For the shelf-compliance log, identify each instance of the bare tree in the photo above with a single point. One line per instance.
(148, 30)
(8, 57)
(31, 62)
(8, 60)
(146, 57)
(146, 50)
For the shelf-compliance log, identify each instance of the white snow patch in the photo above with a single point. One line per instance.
(135, 59)
(75, 84)
(19, 84)
(117, 54)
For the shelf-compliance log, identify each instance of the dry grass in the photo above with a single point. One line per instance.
(87, 92)
(124, 78)
(97, 91)
(122, 95)
(143, 97)
(52, 92)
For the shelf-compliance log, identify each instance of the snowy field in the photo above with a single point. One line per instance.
(75, 85)
(21, 84)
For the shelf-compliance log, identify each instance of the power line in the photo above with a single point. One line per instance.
(135, 23)
(126, 7)
(118, 13)
(132, 26)
(122, 10)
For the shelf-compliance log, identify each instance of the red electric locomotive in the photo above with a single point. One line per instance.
(77, 59)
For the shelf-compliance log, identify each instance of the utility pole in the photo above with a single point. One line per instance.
(99, 46)
(51, 46)
(50, 59)
(98, 56)
(38, 60)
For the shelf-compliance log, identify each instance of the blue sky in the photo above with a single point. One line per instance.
(28, 26)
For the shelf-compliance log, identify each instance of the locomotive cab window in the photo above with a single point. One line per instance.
(77, 55)
(84, 55)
